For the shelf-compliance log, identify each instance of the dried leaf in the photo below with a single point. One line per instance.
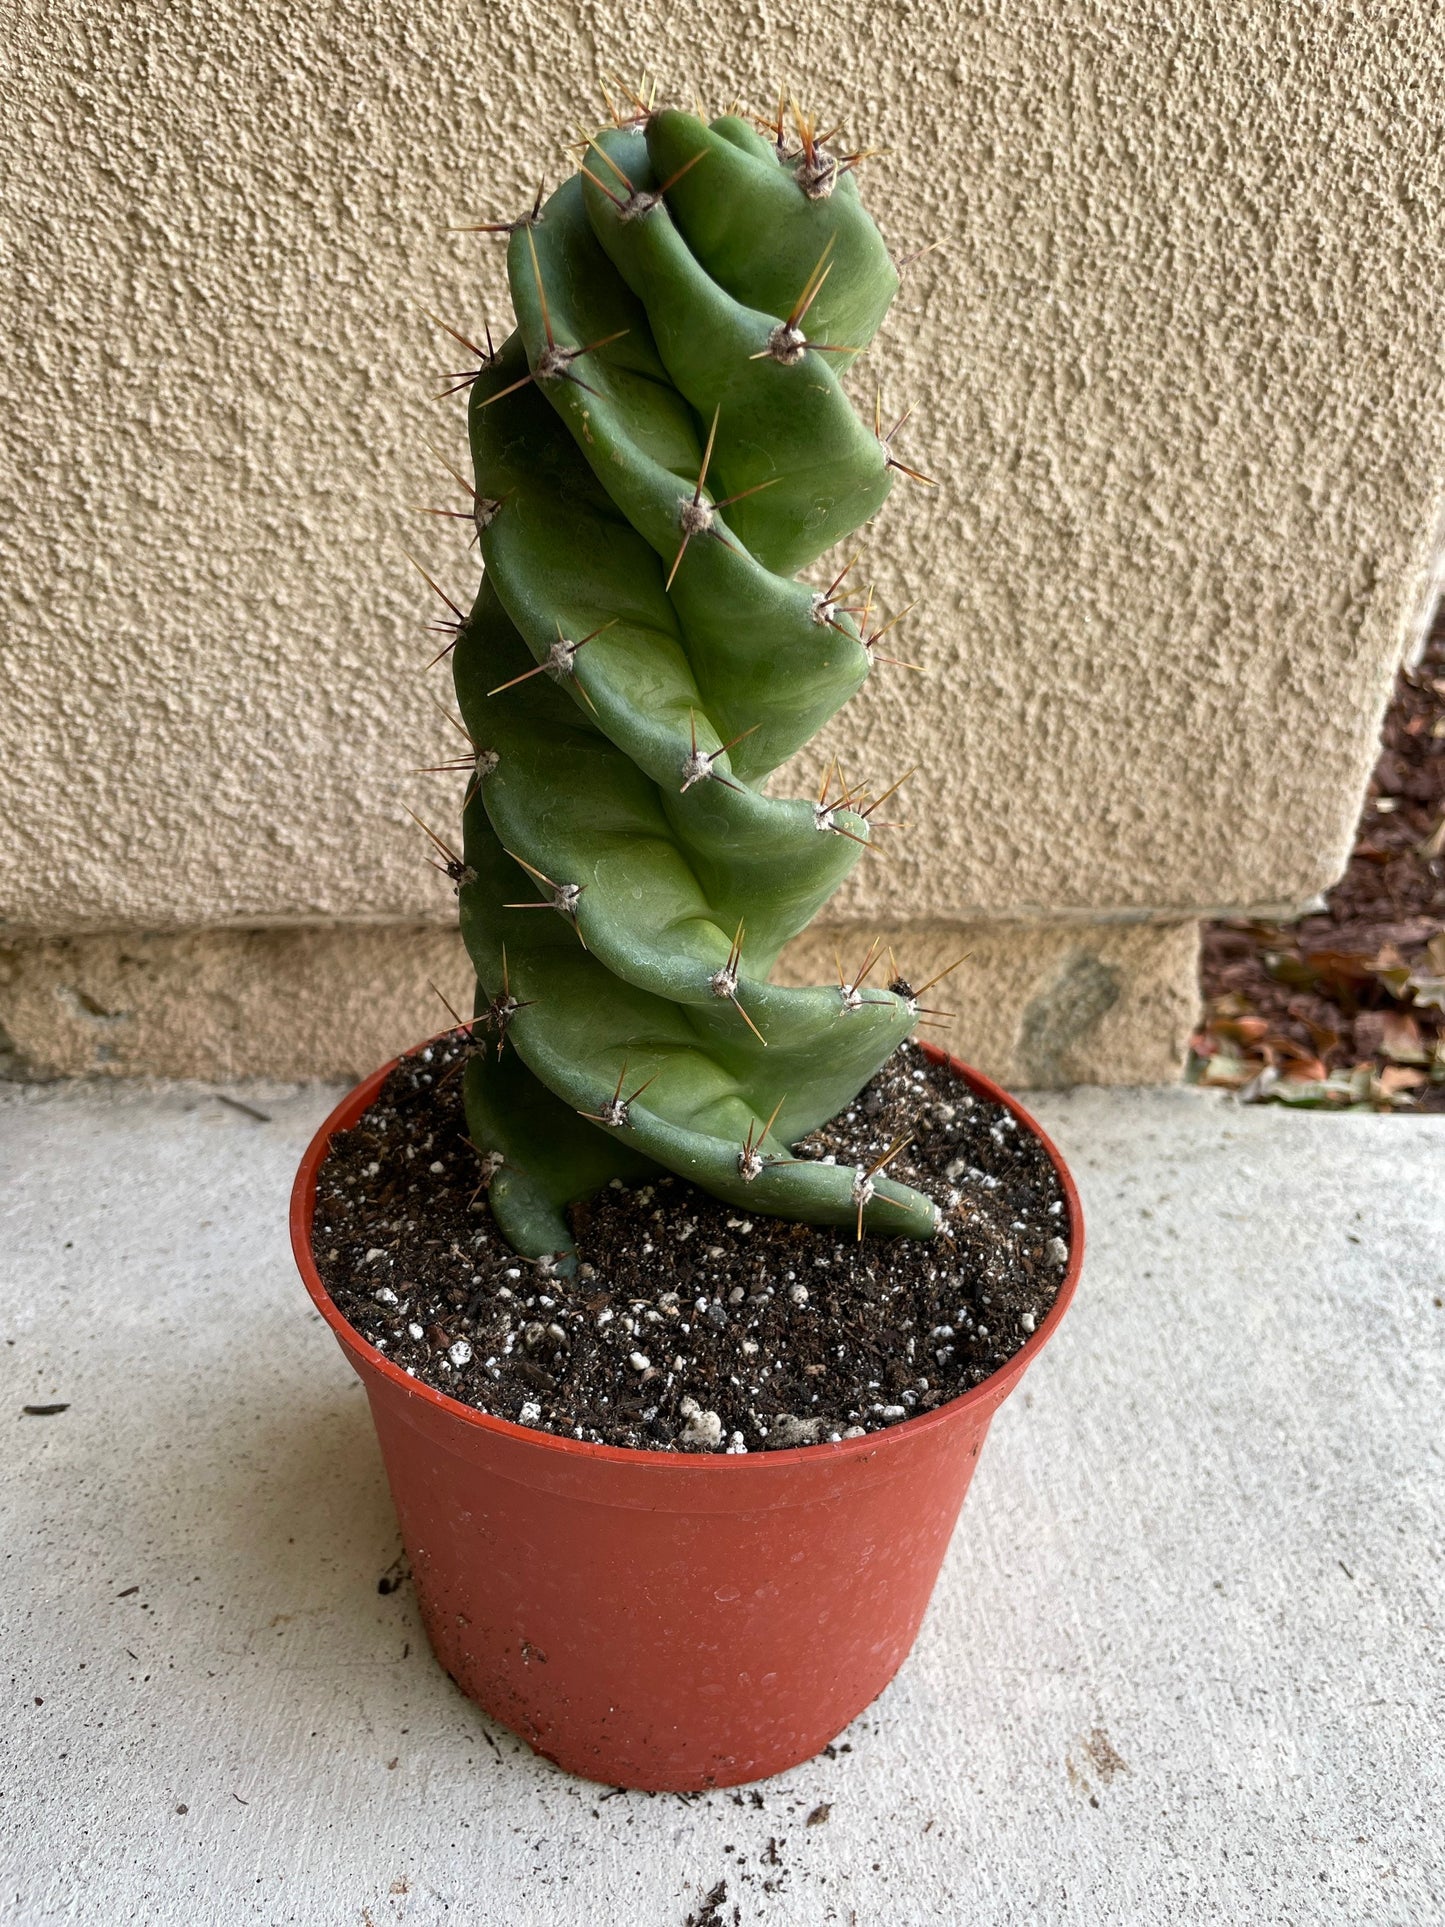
(1370, 1031)
(1331, 1094)
(1326, 1037)
(1396, 979)
(1395, 1077)
(1349, 966)
(1294, 1059)
(1402, 1042)
(1243, 1030)
(1260, 1086)
(1287, 969)
(1306, 1070)
(1226, 1072)
(1230, 1005)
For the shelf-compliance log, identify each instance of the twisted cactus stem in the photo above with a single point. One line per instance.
(660, 447)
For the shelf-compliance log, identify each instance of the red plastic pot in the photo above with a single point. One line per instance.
(660, 1619)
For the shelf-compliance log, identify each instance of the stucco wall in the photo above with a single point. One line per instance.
(1177, 369)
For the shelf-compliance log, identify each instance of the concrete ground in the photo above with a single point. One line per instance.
(1184, 1663)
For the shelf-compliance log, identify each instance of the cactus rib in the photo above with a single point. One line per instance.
(660, 446)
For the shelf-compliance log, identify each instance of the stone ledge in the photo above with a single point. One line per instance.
(1042, 1006)
(1037, 1005)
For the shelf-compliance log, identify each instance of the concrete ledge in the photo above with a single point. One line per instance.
(332, 1001)
(1183, 1667)
(1036, 1004)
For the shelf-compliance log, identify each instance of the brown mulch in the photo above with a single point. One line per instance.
(1345, 1008)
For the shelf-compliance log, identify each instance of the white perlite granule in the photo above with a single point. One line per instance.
(702, 1430)
(788, 1430)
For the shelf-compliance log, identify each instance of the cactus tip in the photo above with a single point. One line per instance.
(530, 219)
(864, 1178)
(699, 764)
(563, 896)
(451, 865)
(889, 458)
(750, 1157)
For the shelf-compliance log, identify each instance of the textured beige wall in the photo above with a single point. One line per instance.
(1177, 369)
(1047, 1006)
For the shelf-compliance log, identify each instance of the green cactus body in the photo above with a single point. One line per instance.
(638, 661)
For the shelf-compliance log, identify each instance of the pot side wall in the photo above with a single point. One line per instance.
(670, 1620)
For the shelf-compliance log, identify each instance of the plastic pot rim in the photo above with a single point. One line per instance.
(716, 1465)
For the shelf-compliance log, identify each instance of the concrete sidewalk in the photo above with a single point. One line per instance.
(1184, 1663)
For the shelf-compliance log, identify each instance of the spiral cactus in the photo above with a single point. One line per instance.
(660, 446)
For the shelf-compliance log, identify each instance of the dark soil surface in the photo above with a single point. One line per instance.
(690, 1325)
(1346, 1007)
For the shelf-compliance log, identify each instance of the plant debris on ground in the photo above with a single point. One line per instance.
(690, 1325)
(1345, 1008)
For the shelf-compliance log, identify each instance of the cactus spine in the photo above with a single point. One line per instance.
(660, 446)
